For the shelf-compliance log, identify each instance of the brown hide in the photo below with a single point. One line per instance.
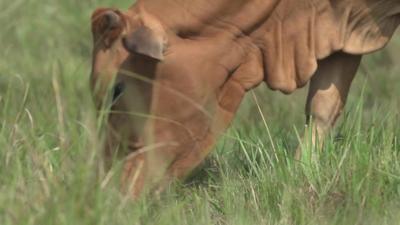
(292, 34)
(182, 67)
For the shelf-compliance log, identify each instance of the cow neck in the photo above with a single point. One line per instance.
(203, 17)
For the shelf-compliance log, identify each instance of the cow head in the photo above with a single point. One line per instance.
(171, 96)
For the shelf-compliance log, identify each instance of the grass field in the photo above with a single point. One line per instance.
(50, 170)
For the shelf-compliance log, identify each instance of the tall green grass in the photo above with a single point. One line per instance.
(50, 162)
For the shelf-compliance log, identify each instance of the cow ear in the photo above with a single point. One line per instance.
(107, 25)
(147, 42)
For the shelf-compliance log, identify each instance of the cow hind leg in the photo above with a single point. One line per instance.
(327, 96)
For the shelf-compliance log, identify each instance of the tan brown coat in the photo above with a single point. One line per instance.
(182, 67)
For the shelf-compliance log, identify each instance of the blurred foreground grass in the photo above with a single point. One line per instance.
(49, 151)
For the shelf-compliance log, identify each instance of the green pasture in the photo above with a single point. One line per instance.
(50, 160)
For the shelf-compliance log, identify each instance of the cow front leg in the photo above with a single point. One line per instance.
(326, 97)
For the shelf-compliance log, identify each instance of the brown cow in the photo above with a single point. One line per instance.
(180, 68)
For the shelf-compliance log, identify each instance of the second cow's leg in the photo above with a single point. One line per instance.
(327, 95)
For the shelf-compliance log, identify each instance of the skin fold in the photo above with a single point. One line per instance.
(173, 72)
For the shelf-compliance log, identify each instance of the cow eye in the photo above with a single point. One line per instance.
(118, 90)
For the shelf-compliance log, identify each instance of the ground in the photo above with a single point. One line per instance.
(50, 162)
